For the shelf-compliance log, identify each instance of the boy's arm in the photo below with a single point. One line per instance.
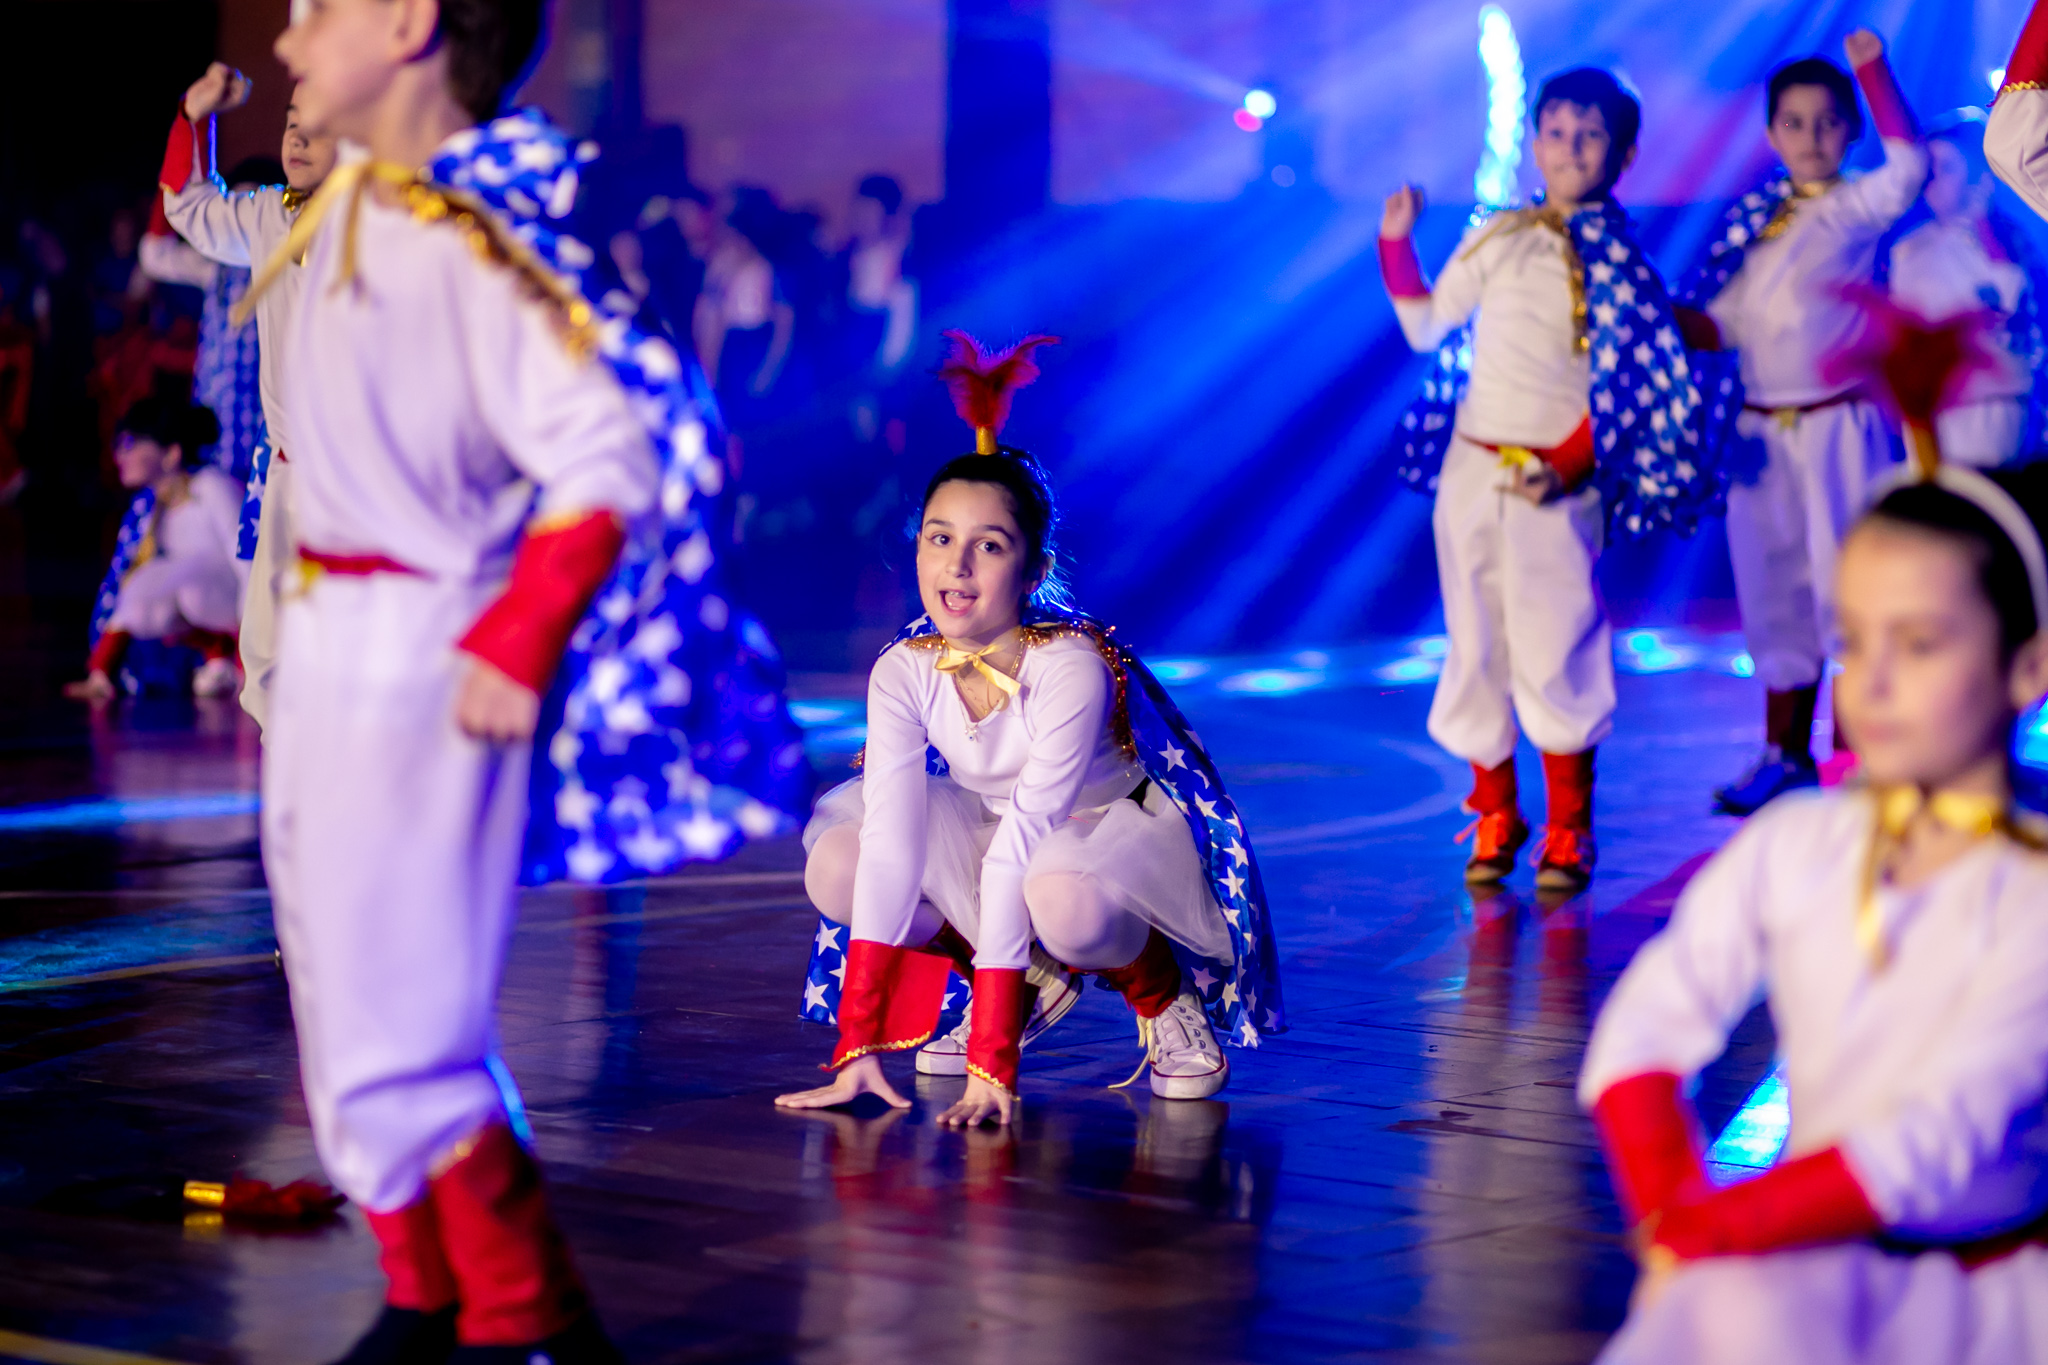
(2016, 138)
(1427, 315)
(1882, 197)
(229, 229)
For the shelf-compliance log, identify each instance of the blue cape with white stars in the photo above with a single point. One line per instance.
(1742, 223)
(1242, 996)
(127, 546)
(666, 738)
(1657, 413)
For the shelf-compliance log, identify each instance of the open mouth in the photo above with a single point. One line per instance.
(956, 602)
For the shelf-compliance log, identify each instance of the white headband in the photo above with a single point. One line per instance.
(1994, 502)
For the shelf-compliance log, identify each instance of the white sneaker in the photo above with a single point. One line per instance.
(1181, 1049)
(215, 678)
(1059, 990)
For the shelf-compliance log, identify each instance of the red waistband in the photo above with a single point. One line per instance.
(356, 566)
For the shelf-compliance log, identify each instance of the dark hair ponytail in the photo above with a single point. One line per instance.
(2001, 573)
(1031, 501)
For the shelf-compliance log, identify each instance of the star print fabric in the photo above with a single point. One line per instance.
(1238, 981)
(1659, 415)
(666, 738)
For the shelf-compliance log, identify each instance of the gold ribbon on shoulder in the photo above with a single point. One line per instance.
(346, 181)
(1978, 816)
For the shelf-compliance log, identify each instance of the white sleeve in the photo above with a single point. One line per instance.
(1069, 705)
(168, 260)
(890, 873)
(564, 422)
(1956, 1115)
(1690, 985)
(1876, 200)
(2016, 144)
(233, 229)
(1452, 300)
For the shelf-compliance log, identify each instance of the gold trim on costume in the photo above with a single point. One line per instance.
(861, 1052)
(974, 1070)
(1542, 215)
(1897, 807)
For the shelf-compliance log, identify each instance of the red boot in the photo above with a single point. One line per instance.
(520, 1296)
(418, 1323)
(1568, 852)
(1500, 831)
(890, 1000)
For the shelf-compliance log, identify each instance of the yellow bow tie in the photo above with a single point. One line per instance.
(955, 661)
(1897, 807)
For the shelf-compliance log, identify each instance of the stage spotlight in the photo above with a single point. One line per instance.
(1247, 120)
(1260, 104)
(1996, 77)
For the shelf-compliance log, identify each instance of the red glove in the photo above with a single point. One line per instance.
(106, 655)
(2028, 68)
(995, 1032)
(1402, 269)
(1806, 1202)
(889, 999)
(1887, 106)
(181, 154)
(1652, 1142)
(555, 573)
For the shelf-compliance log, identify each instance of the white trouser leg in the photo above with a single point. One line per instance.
(1560, 647)
(1077, 921)
(1984, 434)
(274, 555)
(391, 841)
(1472, 714)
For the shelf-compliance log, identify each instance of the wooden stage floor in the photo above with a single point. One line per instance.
(1404, 1176)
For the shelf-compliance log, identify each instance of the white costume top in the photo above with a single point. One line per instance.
(1529, 379)
(1942, 270)
(193, 578)
(1044, 756)
(245, 229)
(2016, 143)
(435, 395)
(1785, 311)
(1928, 1074)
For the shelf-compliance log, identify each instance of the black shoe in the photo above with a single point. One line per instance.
(1771, 778)
(406, 1336)
(582, 1342)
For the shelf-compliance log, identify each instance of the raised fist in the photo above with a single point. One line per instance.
(1862, 47)
(222, 88)
(1404, 206)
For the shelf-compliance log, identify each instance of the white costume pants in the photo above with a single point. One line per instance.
(1982, 434)
(1844, 1305)
(1786, 520)
(391, 841)
(1529, 636)
(275, 555)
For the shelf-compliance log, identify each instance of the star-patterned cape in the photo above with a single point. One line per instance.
(224, 377)
(1659, 415)
(666, 737)
(1242, 996)
(252, 495)
(132, 545)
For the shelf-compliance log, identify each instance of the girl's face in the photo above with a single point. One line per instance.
(1809, 133)
(1922, 693)
(142, 462)
(971, 569)
(1950, 194)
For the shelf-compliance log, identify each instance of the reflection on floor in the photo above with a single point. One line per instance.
(1403, 1176)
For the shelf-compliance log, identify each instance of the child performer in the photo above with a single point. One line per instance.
(1961, 259)
(175, 577)
(246, 229)
(1895, 928)
(1581, 411)
(475, 433)
(1073, 807)
(1776, 288)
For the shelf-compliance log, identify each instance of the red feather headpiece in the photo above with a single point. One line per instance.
(1918, 366)
(983, 384)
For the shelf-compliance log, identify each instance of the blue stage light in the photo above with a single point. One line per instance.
(1507, 92)
(1996, 78)
(107, 812)
(1755, 1136)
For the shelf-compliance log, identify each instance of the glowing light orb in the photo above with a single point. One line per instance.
(1507, 93)
(1247, 120)
(1260, 104)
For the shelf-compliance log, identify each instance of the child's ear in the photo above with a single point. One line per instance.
(2029, 673)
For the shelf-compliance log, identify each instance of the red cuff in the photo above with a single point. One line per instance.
(995, 1031)
(1812, 1200)
(1573, 457)
(2028, 66)
(889, 1000)
(1888, 109)
(1402, 269)
(181, 155)
(1697, 329)
(159, 221)
(106, 655)
(554, 575)
(1653, 1151)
